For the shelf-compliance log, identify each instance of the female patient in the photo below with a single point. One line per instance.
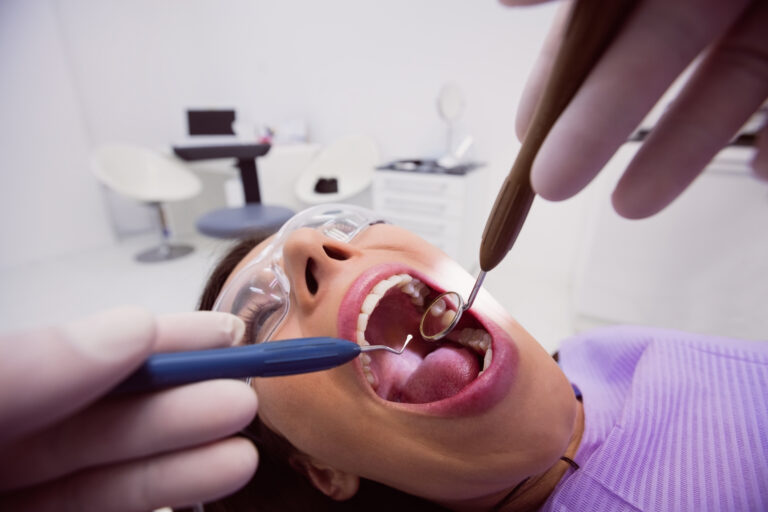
(485, 419)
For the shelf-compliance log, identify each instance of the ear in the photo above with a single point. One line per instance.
(334, 483)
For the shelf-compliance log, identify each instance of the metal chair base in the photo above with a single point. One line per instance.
(164, 252)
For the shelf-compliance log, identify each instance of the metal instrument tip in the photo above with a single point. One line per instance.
(368, 348)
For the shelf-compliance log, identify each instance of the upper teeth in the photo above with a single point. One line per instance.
(477, 339)
(437, 308)
(404, 281)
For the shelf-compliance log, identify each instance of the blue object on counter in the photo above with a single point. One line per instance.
(270, 359)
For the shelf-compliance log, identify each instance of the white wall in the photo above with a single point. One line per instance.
(700, 265)
(49, 204)
(127, 70)
(78, 73)
(344, 65)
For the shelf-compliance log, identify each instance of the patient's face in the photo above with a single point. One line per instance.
(427, 422)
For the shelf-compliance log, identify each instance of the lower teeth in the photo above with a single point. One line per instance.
(487, 358)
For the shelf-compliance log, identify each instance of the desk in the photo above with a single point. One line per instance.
(246, 155)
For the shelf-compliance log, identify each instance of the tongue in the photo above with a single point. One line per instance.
(443, 373)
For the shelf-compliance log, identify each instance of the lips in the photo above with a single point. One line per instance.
(439, 379)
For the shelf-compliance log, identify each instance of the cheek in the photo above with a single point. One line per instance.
(542, 406)
(299, 325)
(293, 405)
(313, 410)
(326, 419)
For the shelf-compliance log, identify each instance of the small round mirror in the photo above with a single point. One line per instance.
(450, 105)
(441, 316)
(450, 102)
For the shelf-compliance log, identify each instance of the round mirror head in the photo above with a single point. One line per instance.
(441, 316)
(450, 102)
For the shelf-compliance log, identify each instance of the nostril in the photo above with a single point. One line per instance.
(335, 253)
(309, 275)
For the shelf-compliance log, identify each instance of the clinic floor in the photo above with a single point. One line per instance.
(54, 291)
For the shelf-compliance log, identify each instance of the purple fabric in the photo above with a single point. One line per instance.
(674, 422)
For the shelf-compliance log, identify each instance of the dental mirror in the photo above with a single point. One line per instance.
(444, 313)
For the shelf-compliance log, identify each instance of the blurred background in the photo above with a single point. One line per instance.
(405, 107)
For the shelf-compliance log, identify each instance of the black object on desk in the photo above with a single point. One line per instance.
(210, 122)
(326, 186)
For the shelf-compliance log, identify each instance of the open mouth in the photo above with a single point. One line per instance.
(427, 371)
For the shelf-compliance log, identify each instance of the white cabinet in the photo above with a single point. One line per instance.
(700, 265)
(447, 210)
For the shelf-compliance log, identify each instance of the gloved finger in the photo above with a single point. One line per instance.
(659, 40)
(534, 86)
(49, 373)
(760, 161)
(130, 428)
(197, 330)
(177, 479)
(726, 89)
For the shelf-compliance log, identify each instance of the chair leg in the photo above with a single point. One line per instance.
(165, 251)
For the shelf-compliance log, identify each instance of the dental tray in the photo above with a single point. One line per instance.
(428, 166)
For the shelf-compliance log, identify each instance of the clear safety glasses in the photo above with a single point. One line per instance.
(260, 292)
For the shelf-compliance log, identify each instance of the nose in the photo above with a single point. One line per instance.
(312, 263)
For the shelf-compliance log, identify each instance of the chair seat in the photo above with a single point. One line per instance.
(143, 175)
(244, 221)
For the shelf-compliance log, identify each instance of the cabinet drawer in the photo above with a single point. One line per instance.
(418, 185)
(429, 208)
(426, 228)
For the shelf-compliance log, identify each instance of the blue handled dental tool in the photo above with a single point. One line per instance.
(269, 359)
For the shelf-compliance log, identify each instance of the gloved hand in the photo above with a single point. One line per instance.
(65, 447)
(659, 40)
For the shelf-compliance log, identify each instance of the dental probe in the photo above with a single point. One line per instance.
(268, 359)
(591, 27)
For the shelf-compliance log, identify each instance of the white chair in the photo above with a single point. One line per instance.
(340, 172)
(151, 178)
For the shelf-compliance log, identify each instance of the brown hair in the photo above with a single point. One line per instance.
(278, 484)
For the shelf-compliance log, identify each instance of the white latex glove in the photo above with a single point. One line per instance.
(64, 447)
(658, 41)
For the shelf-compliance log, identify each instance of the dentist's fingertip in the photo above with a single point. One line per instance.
(521, 125)
(547, 181)
(632, 205)
(621, 207)
(540, 182)
(236, 328)
(231, 328)
(198, 330)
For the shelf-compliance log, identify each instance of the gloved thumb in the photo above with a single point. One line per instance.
(51, 373)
